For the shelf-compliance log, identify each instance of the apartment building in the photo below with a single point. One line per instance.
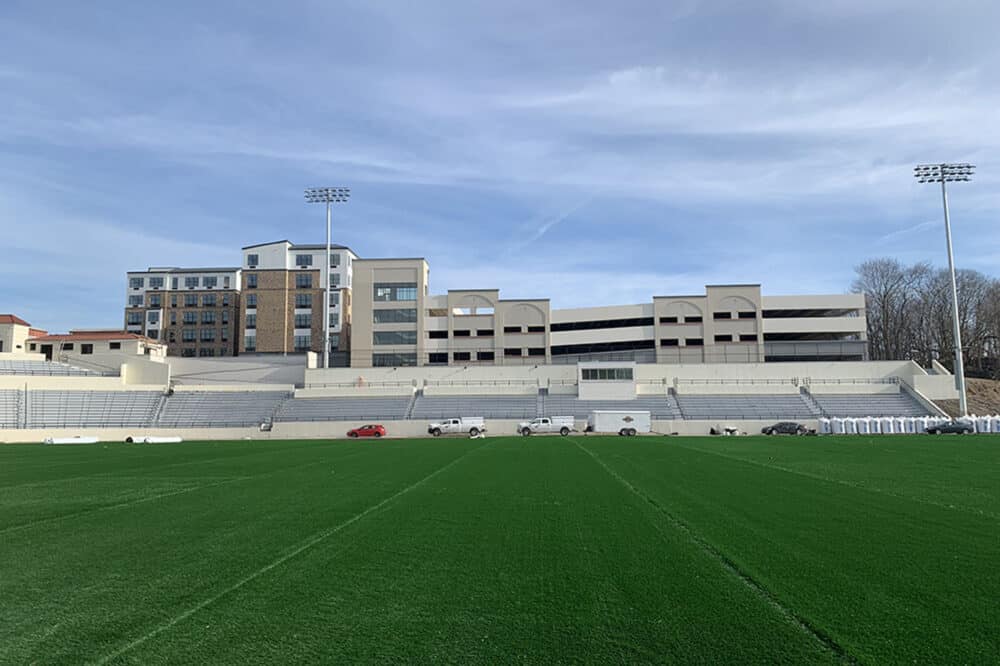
(284, 288)
(194, 311)
(397, 323)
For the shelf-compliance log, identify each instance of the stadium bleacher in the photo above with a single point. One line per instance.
(343, 408)
(487, 406)
(44, 368)
(858, 405)
(663, 407)
(210, 409)
(10, 408)
(770, 406)
(90, 409)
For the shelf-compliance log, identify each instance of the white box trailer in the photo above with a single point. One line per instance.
(622, 423)
(563, 425)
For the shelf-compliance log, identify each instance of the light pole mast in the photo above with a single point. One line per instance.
(329, 196)
(949, 173)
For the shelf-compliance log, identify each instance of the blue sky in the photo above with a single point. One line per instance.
(590, 152)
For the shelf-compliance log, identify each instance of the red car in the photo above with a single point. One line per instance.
(374, 430)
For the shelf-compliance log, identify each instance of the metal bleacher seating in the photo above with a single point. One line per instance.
(662, 407)
(210, 409)
(10, 408)
(344, 408)
(777, 407)
(44, 368)
(488, 406)
(90, 409)
(881, 404)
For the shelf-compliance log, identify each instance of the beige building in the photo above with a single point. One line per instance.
(79, 344)
(14, 332)
(195, 312)
(397, 323)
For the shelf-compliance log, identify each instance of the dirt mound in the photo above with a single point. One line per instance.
(983, 396)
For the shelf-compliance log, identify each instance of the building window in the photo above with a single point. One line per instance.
(190, 300)
(32, 346)
(694, 342)
(536, 351)
(437, 335)
(156, 283)
(437, 357)
(393, 360)
(251, 300)
(206, 351)
(251, 321)
(208, 335)
(668, 320)
(173, 283)
(303, 260)
(190, 317)
(395, 316)
(512, 351)
(484, 333)
(208, 301)
(670, 342)
(173, 300)
(190, 282)
(748, 337)
(303, 342)
(153, 334)
(334, 260)
(334, 319)
(225, 299)
(303, 321)
(188, 353)
(606, 374)
(335, 279)
(252, 281)
(153, 317)
(462, 333)
(225, 316)
(173, 317)
(86, 348)
(114, 345)
(722, 315)
(224, 335)
(208, 317)
(303, 281)
(210, 282)
(154, 300)
(437, 312)
(462, 356)
(747, 315)
(67, 346)
(512, 329)
(253, 260)
(536, 329)
(395, 291)
(485, 356)
(724, 338)
(334, 298)
(250, 343)
(394, 338)
(135, 301)
(188, 335)
(134, 318)
(303, 300)
(136, 283)
(695, 319)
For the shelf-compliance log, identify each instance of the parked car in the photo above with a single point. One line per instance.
(373, 430)
(560, 424)
(956, 427)
(785, 428)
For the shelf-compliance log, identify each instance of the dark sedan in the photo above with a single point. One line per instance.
(785, 428)
(954, 427)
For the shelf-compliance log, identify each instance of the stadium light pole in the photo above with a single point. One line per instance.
(329, 196)
(950, 173)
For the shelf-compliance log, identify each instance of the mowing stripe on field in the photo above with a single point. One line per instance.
(151, 498)
(825, 641)
(298, 550)
(849, 484)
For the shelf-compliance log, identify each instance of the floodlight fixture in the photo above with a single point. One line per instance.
(950, 173)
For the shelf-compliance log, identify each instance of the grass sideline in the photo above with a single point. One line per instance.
(877, 549)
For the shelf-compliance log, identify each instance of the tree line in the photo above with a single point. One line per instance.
(909, 314)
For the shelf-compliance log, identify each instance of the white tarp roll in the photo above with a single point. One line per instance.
(70, 440)
(160, 440)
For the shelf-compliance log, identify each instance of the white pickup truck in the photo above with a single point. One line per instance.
(560, 424)
(473, 426)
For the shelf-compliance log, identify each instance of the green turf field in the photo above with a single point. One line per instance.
(505, 550)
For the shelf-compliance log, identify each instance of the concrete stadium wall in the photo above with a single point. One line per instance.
(56, 383)
(139, 370)
(230, 388)
(243, 369)
(338, 430)
(356, 391)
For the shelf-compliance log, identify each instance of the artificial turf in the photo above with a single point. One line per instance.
(505, 550)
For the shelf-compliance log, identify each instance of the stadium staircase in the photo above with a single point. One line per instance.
(815, 407)
(161, 403)
(672, 396)
(413, 403)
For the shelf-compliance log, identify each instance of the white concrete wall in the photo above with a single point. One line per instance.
(244, 369)
(138, 370)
